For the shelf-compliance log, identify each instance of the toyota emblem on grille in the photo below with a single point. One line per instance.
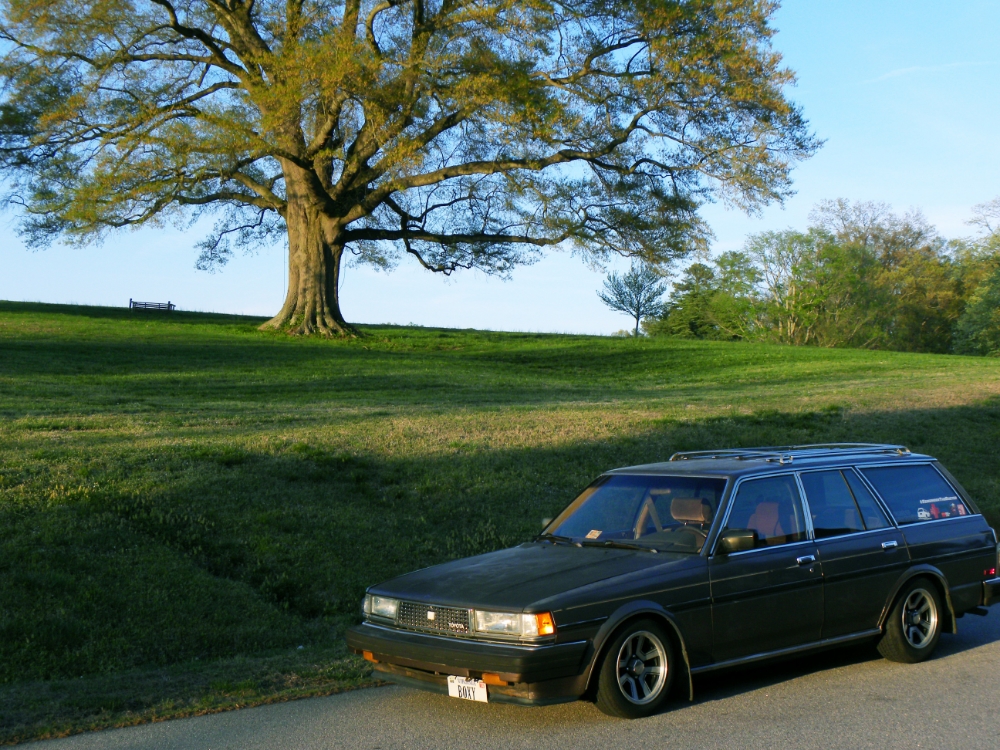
(430, 614)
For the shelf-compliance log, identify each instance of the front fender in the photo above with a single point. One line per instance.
(914, 572)
(630, 611)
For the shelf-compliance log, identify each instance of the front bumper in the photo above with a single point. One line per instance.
(991, 592)
(530, 674)
(523, 693)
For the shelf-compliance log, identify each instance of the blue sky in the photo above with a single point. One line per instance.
(906, 95)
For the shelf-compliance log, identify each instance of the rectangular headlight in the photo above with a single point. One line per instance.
(384, 606)
(510, 623)
(498, 622)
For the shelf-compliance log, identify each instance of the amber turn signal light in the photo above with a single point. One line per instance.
(369, 656)
(546, 626)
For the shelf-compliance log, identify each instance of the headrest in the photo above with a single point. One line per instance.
(767, 513)
(690, 510)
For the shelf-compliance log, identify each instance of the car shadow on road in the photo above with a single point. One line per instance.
(727, 683)
(973, 632)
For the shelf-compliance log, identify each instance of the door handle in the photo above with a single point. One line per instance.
(806, 559)
(890, 545)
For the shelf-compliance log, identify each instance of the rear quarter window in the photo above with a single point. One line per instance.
(915, 493)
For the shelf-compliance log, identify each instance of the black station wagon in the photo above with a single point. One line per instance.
(712, 559)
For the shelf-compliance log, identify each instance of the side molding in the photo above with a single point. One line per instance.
(631, 611)
(914, 572)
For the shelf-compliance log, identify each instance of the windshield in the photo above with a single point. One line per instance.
(664, 513)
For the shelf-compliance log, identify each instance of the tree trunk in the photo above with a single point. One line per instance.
(312, 303)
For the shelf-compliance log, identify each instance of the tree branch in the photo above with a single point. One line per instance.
(441, 238)
(212, 44)
(370, 23)
(587, 68)
(563, 156)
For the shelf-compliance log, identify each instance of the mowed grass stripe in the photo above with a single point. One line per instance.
(178, 491)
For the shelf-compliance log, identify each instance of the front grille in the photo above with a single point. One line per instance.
(430, 617)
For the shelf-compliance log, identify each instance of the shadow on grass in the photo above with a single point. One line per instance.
(216, 549)
(208, 550)
(125, 313)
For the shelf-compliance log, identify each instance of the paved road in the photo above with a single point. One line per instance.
(845, 699)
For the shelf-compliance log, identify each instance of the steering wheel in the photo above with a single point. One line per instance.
(693, 530)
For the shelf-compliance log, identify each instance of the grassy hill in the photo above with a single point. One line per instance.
(190, 509)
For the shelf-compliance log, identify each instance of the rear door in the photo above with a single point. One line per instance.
(861, 552)
(769, 598)
(940, 528)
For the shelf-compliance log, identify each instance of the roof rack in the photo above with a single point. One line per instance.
(786, 454)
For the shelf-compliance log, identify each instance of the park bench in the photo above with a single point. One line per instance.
(134, 305)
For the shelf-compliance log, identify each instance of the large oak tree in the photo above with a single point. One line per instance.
(468, 133)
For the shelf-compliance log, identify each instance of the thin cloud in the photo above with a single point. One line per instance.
(925, 69)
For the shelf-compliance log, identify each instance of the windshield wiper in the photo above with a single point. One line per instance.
(617, 545)
(555, 539)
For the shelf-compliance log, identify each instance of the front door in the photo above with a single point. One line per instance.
(769, 598)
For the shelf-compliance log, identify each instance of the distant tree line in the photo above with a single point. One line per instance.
(858, 276)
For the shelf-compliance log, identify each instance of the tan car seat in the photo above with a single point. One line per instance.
(765, 522)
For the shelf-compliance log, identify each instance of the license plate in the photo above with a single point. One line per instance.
(467, 689)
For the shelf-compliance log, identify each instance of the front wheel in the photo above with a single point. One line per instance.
(914, 625)
(636, 672)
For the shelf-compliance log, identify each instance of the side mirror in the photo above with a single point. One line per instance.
(737, 540)
(546, 522)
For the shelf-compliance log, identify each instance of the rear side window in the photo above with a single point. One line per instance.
(915, 493)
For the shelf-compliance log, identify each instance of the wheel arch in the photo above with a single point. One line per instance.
(941, 583)
(631, 612)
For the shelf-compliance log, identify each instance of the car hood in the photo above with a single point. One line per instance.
(516, 578)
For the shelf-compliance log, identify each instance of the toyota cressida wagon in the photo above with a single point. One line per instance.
(709, 560)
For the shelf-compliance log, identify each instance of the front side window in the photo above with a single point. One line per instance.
(771, 507)
(831, 504)
(662, 512)
(915, 493)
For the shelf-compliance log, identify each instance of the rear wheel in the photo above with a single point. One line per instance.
(914, 625)
(636, 672)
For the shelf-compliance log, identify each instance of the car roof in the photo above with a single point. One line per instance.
(737, 462)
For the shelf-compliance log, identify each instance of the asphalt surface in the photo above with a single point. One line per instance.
(841, 699)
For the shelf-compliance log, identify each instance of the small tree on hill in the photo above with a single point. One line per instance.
(636, 292)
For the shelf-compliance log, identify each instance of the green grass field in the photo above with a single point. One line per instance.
(190, 509)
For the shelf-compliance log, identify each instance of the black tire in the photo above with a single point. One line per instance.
(636, 671)
(914, 624)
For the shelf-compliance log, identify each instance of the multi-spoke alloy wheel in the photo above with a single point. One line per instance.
(636, 671)
(914, 625)
(642, 667)
(920, 618)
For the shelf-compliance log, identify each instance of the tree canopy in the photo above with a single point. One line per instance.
(859, 275)
(467, 133)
